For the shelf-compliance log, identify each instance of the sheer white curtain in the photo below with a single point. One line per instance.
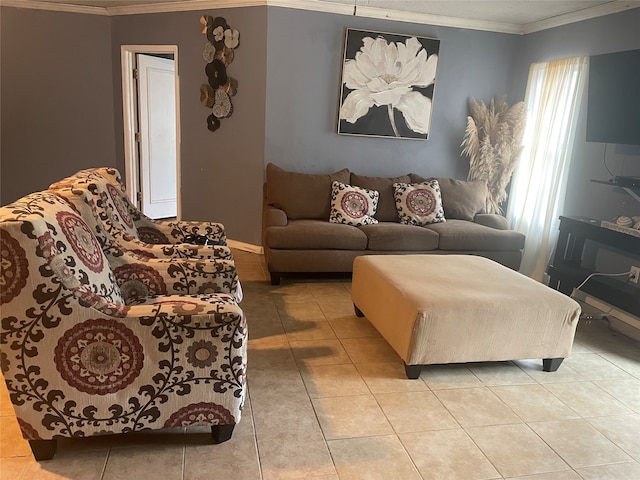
(554, 91)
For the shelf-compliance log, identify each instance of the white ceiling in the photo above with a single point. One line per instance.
(510, 16)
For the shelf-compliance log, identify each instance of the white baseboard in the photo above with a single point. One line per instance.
(247, 247)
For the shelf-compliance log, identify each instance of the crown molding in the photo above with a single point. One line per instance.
(54, 7)
(337, 8)
(584, 14)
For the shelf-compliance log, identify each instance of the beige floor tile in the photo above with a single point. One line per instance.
(617, 471)
(473, 407)
(12, 468)
(277, 412)
(447, 455)
(533, 403)
(285, 379)
(515, 450)
(336, 306)
(333, 381)
(308, 330)
(627, 361)
(353, 327)
(499, 373)
(145, 461)
(82, 465)
(389, 377)
(267, 353)
(564, 475)
(6, 408)
(579, 443)
(415, 411)
(442, 377)
(319, 352)
(627, 391)
(594, 367)
(293, 311)
(372, 458)
(294, 455)
(587, 399)
(11, 442)
(236, 458)
(369, 350)
(623, 430)
(357, 416)
(564, 374)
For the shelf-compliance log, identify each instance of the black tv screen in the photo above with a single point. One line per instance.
(613, 105)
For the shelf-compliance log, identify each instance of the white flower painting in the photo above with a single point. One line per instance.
(388, 82)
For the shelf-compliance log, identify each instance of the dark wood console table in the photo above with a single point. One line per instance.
(566, 270)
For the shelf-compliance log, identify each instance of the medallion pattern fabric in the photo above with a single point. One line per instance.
(171, 230)
(353, 205)
(419, 203)
(13, 267)
(99, 356)
(80, 359)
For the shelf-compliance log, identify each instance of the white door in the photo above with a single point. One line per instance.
(157, 117)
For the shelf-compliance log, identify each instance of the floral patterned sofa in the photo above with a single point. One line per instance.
(83, 353)
(129, 218)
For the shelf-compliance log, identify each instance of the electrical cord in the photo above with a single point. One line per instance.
(604, 160)
(603, 275)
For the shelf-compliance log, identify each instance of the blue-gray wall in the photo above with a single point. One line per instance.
(221, 171)
(61, 102)
(303, 88)
(56, 98)
(612, 33)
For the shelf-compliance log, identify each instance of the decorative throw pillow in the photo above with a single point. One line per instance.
(419, 203)
(353, 205)
(460, 199)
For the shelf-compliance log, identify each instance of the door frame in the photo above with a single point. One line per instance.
(130, 113)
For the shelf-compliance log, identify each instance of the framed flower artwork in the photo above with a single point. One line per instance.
(387, 87)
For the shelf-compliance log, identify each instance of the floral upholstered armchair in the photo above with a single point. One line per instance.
(80, 359)
(105, 202)
(137, 223)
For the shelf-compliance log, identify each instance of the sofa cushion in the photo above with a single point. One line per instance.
(460, 199)
(391, 236)
(419, 203)
(314, 235)
(386, 211)
(302, 195)
(464, 235)
(353, 205)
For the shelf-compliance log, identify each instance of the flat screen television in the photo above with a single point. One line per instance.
(613, 104)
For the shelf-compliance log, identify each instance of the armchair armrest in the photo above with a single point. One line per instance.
(492, 220)
(170, 231)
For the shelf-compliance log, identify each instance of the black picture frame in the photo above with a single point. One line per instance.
(386, 120)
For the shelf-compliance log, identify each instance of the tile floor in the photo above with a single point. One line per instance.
(328, 400)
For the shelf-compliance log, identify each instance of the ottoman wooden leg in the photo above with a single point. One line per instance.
(551, 364)
(221, 433)
(358, 311)
(275, 278)
(412, 371)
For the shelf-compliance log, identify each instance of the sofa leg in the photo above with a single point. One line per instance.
(275, 278)
(412, 371)
(358, 311)
(221, 433)
(43, 449)
(551, 364)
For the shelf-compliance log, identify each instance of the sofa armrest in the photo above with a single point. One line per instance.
(492, 220)
(274, 217)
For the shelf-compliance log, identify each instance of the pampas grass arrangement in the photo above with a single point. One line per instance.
(493, 143)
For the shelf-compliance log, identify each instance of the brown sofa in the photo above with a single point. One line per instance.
(298, 237)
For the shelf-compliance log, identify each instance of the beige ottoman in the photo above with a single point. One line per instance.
(462, 308)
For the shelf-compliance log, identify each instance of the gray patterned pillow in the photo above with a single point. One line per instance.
(419, 203)
(353, 205)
